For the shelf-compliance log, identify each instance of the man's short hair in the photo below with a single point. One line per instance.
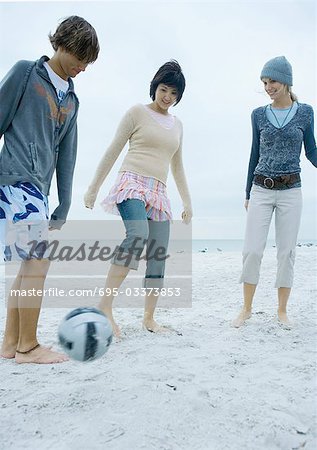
(76, 36)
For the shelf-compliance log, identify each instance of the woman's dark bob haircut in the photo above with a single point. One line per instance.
(77, 37)
(170, 74)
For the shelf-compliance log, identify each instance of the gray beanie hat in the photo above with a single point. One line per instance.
(278, 69)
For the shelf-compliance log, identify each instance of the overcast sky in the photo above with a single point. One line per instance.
(221, 46)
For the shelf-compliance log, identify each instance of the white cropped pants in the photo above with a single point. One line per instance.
(287, 205)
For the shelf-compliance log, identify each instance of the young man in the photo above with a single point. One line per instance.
(38, 118)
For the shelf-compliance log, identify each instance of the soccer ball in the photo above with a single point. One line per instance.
(85, 334)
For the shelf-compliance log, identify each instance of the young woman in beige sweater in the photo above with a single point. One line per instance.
(139, 194)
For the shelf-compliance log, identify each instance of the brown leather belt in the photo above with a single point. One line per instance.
(281, 182)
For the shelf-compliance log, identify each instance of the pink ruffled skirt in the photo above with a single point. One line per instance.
(151, 191)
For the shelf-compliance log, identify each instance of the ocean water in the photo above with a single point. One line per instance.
(207, 245)
(234, 245)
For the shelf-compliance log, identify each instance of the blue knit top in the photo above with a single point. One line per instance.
(276, 151)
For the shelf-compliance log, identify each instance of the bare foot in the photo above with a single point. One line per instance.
(153, 327)
(8, 351)
(40, 355)
(115, 328)
(242, 317)
(283, 319)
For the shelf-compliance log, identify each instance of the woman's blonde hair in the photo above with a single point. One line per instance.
(293, 96)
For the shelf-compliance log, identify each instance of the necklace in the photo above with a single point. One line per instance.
(278, 123)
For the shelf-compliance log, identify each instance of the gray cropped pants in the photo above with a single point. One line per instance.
(141, 233)
(287, 206)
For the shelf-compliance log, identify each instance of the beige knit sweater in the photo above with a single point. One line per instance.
(152, 149)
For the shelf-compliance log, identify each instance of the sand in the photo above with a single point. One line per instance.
(213, 387)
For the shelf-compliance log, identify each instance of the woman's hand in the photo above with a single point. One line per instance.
(90, 198)
(187, 215)
(246, 205)
(50, 228)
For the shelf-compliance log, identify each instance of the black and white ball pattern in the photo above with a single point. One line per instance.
(85, 334)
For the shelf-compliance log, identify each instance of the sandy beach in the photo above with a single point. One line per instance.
(209, 387)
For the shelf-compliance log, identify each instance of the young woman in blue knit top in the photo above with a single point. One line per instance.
(274, 184)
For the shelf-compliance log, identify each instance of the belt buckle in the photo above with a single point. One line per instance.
(271, 182)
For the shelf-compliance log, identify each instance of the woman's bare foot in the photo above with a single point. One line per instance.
(283, 319)
(242, 317)
(40, 355)
(153, 327)
(115, 328)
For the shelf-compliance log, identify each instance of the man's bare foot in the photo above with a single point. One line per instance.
(40, 355)
(153, 327)
(283, 319)
(8, 350)
(242, 317)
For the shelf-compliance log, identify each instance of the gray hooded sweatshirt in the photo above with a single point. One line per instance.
(40, 133)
